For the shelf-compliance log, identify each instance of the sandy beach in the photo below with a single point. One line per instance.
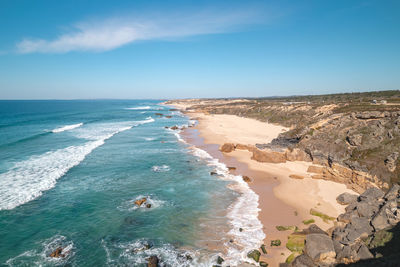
(283, 200)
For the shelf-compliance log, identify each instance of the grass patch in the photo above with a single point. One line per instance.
(323, 216)
(291, 258)
(286, 228)
(307, 222)
(295, 243)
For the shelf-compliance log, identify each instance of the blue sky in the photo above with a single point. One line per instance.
(179, 49)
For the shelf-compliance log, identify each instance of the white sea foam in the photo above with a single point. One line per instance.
(136, 253)
(27, 179)
(40, 257)
(243, 213)
(67, 128)
(139, 108)
(162, 168)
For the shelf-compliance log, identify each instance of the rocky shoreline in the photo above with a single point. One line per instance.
(359, 234)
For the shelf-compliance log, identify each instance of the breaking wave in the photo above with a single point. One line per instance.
(67, 128)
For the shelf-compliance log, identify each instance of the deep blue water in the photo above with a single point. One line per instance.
(71, 170)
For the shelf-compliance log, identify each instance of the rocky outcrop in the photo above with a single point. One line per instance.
(247, 179)
(227, 148)
(358, 230)
(319, 248)
(141, 201)
(152, 261)
(346, 198)
(268, 156)
(367, 115)
(297, 155)
(57, 253)
(354, 140)
(391, 160)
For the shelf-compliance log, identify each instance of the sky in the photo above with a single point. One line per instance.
(80, 49)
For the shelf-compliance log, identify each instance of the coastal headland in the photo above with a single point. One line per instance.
(297, 184)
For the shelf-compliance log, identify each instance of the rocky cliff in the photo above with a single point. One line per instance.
(353, 136)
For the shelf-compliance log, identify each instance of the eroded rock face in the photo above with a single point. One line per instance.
(319, 248)
(297, 155)
(227, 148)
(268, 156)
(354, 140)
(391, 161)
(370, 115)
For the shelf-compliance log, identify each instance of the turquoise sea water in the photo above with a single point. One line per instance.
(71, 170)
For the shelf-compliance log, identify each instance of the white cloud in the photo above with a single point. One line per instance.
(112, 33)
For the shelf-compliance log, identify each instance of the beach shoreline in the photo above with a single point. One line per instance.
(283, 201)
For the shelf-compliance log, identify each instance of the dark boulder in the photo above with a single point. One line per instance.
(152, 261)
(320, 248)
(346, 198)
(372, 194)
(303, 261)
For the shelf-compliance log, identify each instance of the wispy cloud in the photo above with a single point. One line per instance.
(111, 33)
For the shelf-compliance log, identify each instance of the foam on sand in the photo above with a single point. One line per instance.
(243, 213)
(67, 127)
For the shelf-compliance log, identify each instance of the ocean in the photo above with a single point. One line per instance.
(70, 172)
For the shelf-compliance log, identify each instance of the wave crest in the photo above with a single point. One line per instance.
(67, 128)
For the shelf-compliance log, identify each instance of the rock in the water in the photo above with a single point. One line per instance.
(263, 249)
(139, 202)
(213, 173)
(346, 198)
(275, 243)
(148, 205)
(220, 260)
(263, 264)
(247, 179)
(231, 168)
(159, 114)
(320, 248)
(152, 261)
(168, 117)
(227, 147)
(254, 254)
(57, 253)
(174, 127)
